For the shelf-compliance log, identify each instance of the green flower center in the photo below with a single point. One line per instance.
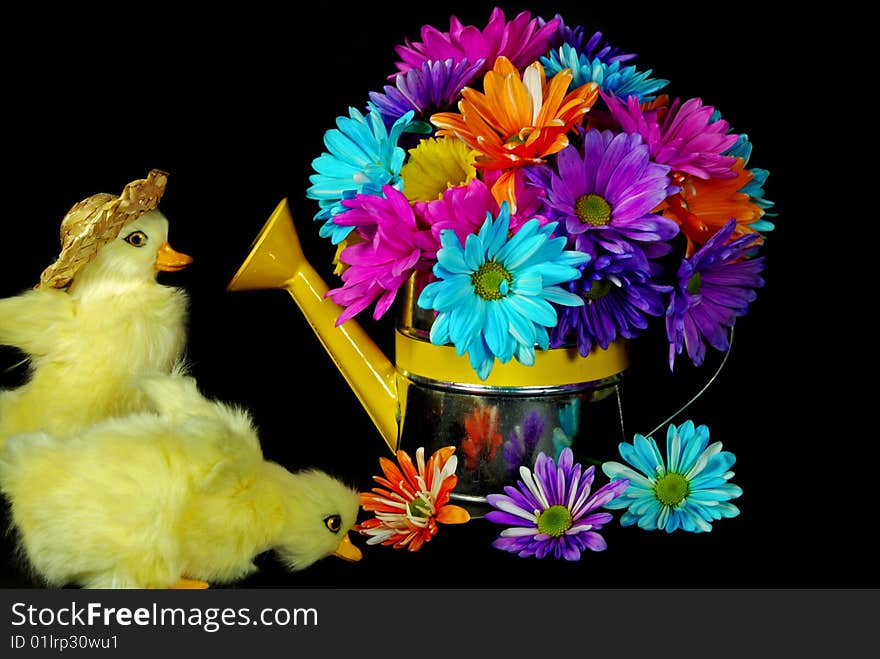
(418, 507)
(593, 210)
(491, 281)
(554, 521)
(599, 289)
(694, 284)
(671, 489)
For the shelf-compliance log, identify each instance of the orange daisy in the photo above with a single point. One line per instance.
(705, 205)
(413, 499)
(517, 120)
(482, 438)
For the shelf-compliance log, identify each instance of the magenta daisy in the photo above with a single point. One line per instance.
(606, 196)
(682, 135)
(395, 247)
(463, 209)
(714, 287)
(522, 40)
(551, 512)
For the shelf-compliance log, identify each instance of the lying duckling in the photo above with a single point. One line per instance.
(178, 497)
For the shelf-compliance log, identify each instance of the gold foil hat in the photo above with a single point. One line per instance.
(96, 221)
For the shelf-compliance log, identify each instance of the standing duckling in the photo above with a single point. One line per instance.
(173, 498)
(98, 317)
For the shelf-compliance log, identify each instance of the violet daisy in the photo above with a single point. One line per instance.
(620, 294)
(606, 196)
(431, 87)
(551, 512)
(683, 135)
(713, 288)
(592, 47)
(522, 442)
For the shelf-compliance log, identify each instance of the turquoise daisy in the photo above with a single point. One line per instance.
(612, 77)
(493, 294)
(688, 492)
(362, 155)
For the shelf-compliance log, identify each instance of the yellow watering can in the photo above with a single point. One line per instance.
(429, 395)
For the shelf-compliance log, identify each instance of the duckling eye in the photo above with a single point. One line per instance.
(136, 239)
(334, 523)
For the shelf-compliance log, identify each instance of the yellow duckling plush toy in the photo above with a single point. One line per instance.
(98, 317)
(177, 497)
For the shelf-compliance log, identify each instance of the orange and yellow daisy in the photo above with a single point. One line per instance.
(412, 500)
(482, 438)
(516, 121)
(705, 205)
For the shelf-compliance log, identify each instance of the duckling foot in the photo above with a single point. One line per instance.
(190, 584)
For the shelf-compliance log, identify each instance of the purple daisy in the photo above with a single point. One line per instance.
(714, 287)
(683, 136)
(395, 247)
(551, 511)
(522, 40)
(606, 196)
(431, 87)
(620, 293)
(521, 443)
(592, 47)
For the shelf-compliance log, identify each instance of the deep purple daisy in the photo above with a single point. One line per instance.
(606, 196)
(429, 88)
(620, 293)
(714, 287)
(683, 135)
(521, 443)
(593, 46)
(551, 512)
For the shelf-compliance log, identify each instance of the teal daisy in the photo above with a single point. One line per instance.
(362, 156)
(493, 295)
(688, 492)
(742, 148)
(612, 77)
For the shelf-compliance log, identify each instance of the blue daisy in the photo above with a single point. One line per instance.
(688, 492)
(612, 77)
(362, 155)
(493, 294)
(742, 148)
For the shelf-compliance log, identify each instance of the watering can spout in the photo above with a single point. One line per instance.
(276, 261)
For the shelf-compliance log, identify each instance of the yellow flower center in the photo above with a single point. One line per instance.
(491, 281)
(671, 489)
(554, 521)
(593, 210)
(694, 284)
(599, 289)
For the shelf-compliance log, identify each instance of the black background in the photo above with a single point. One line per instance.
(234, 104)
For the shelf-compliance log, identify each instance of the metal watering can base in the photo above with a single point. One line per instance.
(495, 430)
(430, 396)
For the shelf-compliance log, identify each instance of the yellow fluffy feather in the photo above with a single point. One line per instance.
(87, 344)
(144, 500)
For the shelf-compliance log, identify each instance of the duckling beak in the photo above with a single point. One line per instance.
(346, 550)
(169, 260)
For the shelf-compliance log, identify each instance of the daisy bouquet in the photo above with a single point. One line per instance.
(548, 191)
